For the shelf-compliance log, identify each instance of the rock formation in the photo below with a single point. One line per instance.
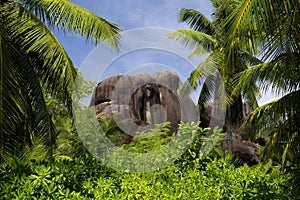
(246, 151)
(139, 101)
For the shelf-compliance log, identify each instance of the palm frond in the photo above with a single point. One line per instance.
(24, 115)
(205, 96)
(53, 65)
(246, 87)
(236, 22)
(282, 74)
(208, 66)
(197, 21)
(280, 43)
(273, 115)
(222, 9)
(12, 99)
(44, 129)
(199, 42)
(249, 59)
(251, 97)
(257, 20)
(71, 17)
(279, 120)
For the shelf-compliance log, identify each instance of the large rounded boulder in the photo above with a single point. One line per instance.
(138, 102)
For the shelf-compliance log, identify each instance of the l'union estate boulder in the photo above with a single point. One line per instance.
(137, 102)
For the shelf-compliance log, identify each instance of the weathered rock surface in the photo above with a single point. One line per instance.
(246, 151)
(139, 101)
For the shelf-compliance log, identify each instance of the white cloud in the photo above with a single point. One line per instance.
(144, 13)
(130, 14)
(139, 47)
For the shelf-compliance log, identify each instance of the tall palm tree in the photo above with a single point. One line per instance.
(274, 26)
(209, 37)
(34, 66)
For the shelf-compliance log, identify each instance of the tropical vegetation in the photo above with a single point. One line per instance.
(241, 32)
(252, 46)
(89, 179)
(209, 37)
(189, 177)
(35, 68)
(273, 27)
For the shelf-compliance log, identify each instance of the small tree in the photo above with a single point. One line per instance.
(210, 37)
(274, 26)
(34, 66)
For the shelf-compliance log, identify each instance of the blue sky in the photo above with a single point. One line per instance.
(132, 15)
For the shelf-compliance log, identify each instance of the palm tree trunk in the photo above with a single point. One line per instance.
(233, 120)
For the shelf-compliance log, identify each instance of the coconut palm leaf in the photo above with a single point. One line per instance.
(250, 96)
(34, 66)
(263, 20)
(197, 21)
(10, 98)
(68, 16)
(204, 96)
(208, 66)
(278, 119)
(282, 74)
(53, 65)
(250, 93)
(223, 8)
(23, 107)
(249, 59)
(275, 46)
(266, 14)
(209, 74)
(273, 25)
(199, 42)
(276, 38)
(226, 60)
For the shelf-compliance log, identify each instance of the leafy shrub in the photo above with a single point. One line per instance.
(89, 179)
(151, 140)
(188, 178)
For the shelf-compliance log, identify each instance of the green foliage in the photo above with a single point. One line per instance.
(190, 144)
(147, 141)
(272, 26)
(211, 142)
(34, 67)
(69, 144)
(294, 181)
(204, 146)
(67, 16)
(111, 130)
(85, 178)
(215, 73)
(189, 177)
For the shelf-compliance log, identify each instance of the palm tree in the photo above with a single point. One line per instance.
(209, 37)
(34, 66)
(274, 26)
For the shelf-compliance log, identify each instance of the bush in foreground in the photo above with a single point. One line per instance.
(192, 176)
(85, 178)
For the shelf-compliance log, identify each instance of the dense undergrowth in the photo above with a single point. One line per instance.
(189, 177)
(86, 178)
